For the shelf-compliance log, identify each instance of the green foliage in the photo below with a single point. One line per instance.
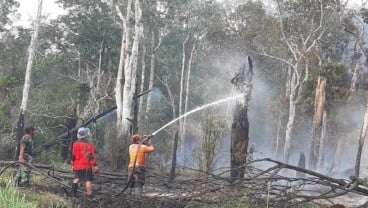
(337, 87)
(213, 129)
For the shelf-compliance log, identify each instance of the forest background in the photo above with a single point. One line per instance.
(308, 93)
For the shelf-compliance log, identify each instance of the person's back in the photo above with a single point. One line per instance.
(83, 161)
(137, 163)
(83, 155)
(140, 158)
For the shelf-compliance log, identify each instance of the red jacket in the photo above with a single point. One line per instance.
(83, 155)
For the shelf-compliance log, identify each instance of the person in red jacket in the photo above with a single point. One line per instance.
(83, 161)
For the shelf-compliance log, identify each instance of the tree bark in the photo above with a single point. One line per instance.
(362, 136)
(321, 159)
(240, 126)
(143, 75)
(181, 94)
(187, 96)
(152, 76)
(175, 132)
(27, 79)
(319, 108)
(294, 84)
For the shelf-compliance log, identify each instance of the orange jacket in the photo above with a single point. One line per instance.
(143, 149)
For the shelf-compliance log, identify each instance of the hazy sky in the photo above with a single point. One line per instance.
(28, 8)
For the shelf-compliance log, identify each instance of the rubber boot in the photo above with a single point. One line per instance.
(74, 189)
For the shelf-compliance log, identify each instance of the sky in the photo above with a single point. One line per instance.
(28, 10)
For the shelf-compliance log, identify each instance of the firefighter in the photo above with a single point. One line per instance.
(83, 162)
(137, 166)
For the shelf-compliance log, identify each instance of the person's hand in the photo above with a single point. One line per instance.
(21, 160)
(148, 136)
(96, 169)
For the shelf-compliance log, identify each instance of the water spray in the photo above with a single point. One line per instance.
(147, 137)
(197, 109)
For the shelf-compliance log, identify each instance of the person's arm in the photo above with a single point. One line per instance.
(149, 147)
(73, 154)
(21, 153)
(93, 162)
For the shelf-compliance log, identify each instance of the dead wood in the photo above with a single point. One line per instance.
(259, 186)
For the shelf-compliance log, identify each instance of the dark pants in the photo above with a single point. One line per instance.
(84, 175)
(139, 176)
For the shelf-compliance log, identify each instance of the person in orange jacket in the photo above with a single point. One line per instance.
(137, 166)
(83, 161)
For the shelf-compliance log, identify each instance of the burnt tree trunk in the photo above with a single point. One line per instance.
(239, 141)
(173, 162)
(240, 126)
(70, 124)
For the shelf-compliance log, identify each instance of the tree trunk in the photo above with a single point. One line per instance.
(143, 75)
(152, 76)
(319, 108)
(240, 126)
(27, 79)
(321, 159)
(292, 107)
(239, 141)
(283, 114)
(174, 150)
(129, 79)
(362, 136)
(70, 124)
(181, 94)
(337, 155)
(187, 96)
(118, 86)
(175, 133)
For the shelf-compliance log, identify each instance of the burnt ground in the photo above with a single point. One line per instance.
(189, 192)
(197, 189)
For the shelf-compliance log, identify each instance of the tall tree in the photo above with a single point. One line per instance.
(240, 125)
(27, 79)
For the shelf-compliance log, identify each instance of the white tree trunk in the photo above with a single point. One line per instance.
(27, 79)
(292, 108)
(280, 139)
(152, 74)
(31, 53)
(118, 86)
(130, 73)
(181, 94)
(362, 136)
(187, 96)
(143, 74)
(125, 46)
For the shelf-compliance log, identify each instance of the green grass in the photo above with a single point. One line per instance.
(31, 197)
(11, 198)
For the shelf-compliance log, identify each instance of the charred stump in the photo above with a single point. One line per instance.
(240, 125)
